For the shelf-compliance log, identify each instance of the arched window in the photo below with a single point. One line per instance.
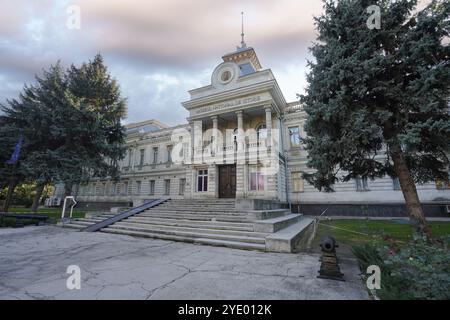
(261, 131)
(234, 136)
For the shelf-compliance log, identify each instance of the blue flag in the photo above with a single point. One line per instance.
(16, 153)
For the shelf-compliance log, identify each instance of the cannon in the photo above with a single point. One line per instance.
(329, 267)
(329, 244)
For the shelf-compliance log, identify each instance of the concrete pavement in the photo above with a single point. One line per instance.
(34, 261)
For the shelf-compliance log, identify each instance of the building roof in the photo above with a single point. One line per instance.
(145, 126)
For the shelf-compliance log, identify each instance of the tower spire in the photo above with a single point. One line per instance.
(243, 44)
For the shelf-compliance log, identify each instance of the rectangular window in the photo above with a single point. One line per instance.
(152, 187)
(125, 188)
(117, 188)
(202, 180)
(141, 157)
(167, 187)
(443, 184)
(256, 180)
(155, 155)
(362, 184)
(138, 187)
(182, 186)
(169, 154)
(129, 157)
(297, 182)
(396, 184)
(294, 136)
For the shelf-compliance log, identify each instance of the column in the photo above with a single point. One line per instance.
(240, 173)
(191, 124)
(240, 137)
(214, 135)
(198, 141)
(268, 110)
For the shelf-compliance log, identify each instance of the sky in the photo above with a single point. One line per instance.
(156, 49)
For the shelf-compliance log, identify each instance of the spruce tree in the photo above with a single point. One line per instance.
(377, 99)
(70, 121)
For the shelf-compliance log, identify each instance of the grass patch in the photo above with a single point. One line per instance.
(54, 213)
(356, 232)
(410, 267)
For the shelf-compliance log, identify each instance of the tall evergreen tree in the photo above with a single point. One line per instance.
(37, 115)
(377, 99)
(71, 125)
(100, 140)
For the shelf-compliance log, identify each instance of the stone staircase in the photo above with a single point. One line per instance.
(205, 221)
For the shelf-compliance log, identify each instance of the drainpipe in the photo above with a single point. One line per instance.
(285, 164)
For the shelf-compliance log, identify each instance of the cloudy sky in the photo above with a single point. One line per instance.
(156, 49)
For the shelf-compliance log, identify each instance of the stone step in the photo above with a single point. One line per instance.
(214, 242)
(73, 226)
(237, 214)
(197, 205)
(195, 217)
(86, 222)
(188, 223)
(276, 224)
(200, 208)
(196, 229)
(232, 244)
(191, 234)
(90, 219)
(267, 214)
(225, 201)
(292, 238)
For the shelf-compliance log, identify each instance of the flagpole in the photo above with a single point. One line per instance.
(13, 181)
(11, 187)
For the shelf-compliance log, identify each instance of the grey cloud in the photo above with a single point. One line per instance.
(157, 50)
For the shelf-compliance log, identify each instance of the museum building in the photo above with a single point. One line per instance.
(242, 140)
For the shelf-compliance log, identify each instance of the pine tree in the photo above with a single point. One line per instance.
(377, 99)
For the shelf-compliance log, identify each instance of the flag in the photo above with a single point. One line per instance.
(16, 153)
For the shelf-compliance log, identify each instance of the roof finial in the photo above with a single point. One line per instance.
(243, 45)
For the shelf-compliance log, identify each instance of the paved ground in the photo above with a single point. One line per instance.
(34, 260)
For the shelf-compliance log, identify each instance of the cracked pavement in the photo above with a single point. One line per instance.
(34, 260)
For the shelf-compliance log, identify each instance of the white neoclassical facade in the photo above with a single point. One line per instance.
(242, 140)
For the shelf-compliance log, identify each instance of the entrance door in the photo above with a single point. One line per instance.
(227, 181)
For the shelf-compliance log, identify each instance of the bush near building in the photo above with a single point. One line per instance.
(412, 270)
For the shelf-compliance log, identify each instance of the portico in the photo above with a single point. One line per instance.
(234, 138)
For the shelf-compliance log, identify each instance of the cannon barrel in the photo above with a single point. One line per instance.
(328, 244)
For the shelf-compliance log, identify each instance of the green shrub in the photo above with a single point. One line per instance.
(415, 270)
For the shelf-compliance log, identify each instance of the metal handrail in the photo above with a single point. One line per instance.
(123, 215)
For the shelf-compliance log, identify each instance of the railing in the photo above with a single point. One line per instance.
(123, 215)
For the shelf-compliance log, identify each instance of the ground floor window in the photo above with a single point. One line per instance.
(442, 184)
(125, 188)
(167, 187)
(182, 186)
(396, 184)
(138, 187)
(256, 178)
(202, 180)
(297, 182)
(362, 184)
(152, 187)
